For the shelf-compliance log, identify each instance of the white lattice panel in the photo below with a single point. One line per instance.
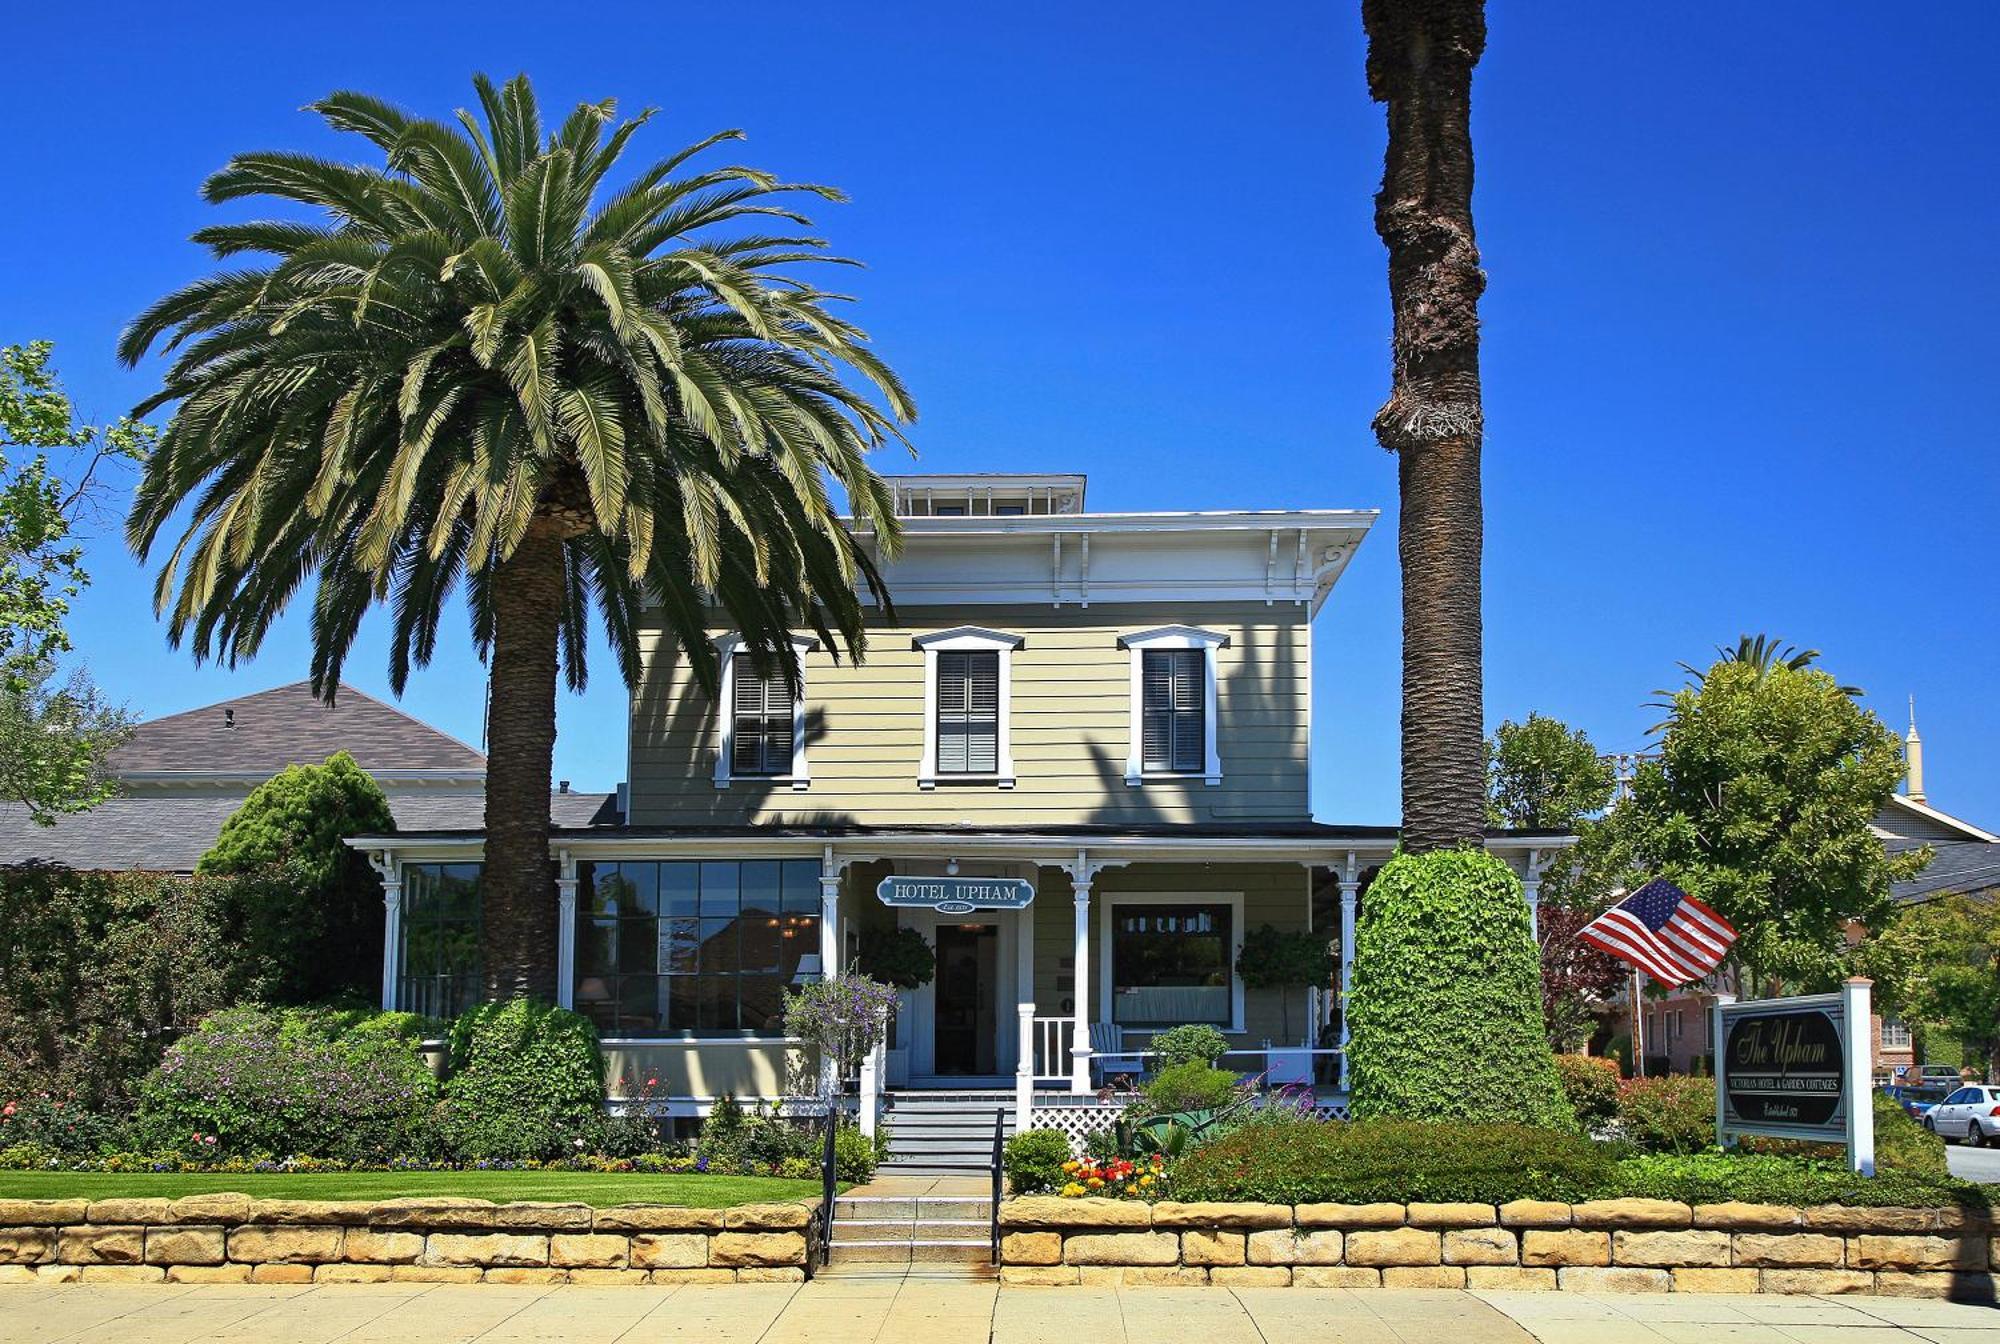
(1079, 1122)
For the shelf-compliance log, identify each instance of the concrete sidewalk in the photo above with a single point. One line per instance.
(944, 1311)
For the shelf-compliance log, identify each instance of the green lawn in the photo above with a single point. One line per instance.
(703, 1192)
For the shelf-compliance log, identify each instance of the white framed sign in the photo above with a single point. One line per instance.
(1798, 1068)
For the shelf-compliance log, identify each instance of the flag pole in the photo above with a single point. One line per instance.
(1638, 1030)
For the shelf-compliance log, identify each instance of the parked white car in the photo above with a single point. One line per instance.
(1971, 1113)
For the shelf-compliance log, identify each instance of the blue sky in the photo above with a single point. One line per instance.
(1737, 344)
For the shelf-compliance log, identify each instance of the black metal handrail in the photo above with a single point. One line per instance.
(829, 1185)
(999, 1154)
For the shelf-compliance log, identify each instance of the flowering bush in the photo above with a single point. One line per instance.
(1674, 1114)
(342, 1086)
(58, 1124)
(1591, 1084)
(1117, 1178)
(841, 1018)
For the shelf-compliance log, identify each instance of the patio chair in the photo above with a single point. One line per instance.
(1108, 1057)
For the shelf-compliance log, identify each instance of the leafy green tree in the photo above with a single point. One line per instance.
(322, 930)
(1444, 1006)
(55, 729)
(1759, 804)
(482, 367)
(1938, 964)
(1543, 775)
(1282, 959)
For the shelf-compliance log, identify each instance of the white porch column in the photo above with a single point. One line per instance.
(829, 914)
(566, 930)
(1531, 890)
(1081, 878)
(385, 866)
(871, 1088)
(1024, 1069)
(1350, 888)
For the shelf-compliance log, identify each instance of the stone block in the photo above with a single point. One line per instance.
(182, 1245)
(1842, 1218)
(58, 1273)
(1163, 1276)
(1966, 1287)
(1348, 1215)
(1873, 1251)
(281, 1273)
(1481, 1246)
(517, 1250)
(607, 1278)
(284, 1245)
(1202, 1246)
(589, 1250)
(664, 1276)
(524, 1274)
(785, 1217)
(1451, 1215)
(672, 1250)
(27, 1245)
(1322, 1246)
(122, 1274)
(1122, 1248)
(16, 1274)
(1565, 1248)
(1630, 1213)
(1708, 1280)
(1038, 1276)
(1335, 1276)
(1534, 1213)
(1670, 1249)
(771, 1274)
(1243, 1217)
(208, 1273)
(1619, 1279)
(142, 1211)
(101, 1245)
(42, 1212)
(433, 1274)
(438, 1211)
(311, 1212)
(656, 1218)
(1423, 1276)
(1398, 1246)
(1250, 1276)
(1736, 1216)
(1032, 1248)
(368, 1245)
(217, 1208)
(757, 1249)
(541, 1216)
(345, 1273)
(1036, 1211)
(1510, 1278)
(1815, 1281)
(1790, 1250)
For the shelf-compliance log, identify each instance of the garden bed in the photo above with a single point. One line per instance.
(233, 1237)
(593, 1188)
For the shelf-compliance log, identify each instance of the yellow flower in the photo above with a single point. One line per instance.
(1095, 1183)
(1145, 1180)
(1072, 1190)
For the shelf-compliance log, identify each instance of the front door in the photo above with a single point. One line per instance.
(968, 964)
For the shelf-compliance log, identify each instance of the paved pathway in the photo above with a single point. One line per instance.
(944, 1311)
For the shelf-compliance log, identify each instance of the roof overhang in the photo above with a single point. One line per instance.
(1965, 828)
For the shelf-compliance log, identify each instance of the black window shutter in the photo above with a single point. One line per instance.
(1173, 711)
(968, 713)
(761, 732)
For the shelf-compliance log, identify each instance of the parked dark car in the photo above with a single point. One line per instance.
(1916, 1100)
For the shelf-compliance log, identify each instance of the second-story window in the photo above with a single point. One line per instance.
(761, 734)
(1175, 692)
(968, 713)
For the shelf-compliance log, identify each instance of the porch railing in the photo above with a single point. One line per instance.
(1053, 1038)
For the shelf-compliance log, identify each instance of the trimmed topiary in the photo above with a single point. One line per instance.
(1189, 1041)
(1445, 1008)
(527, 1082)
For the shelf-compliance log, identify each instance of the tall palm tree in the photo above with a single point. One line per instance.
(1420, 59)
(488, 361)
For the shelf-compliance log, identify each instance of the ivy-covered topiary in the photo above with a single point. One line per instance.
(526, 1081)
(1445, 1007)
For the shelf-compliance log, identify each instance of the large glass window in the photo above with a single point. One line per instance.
(438, 973)
(1171, 963)
(693, 948)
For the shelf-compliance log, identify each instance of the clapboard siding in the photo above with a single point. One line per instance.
(1071, 723)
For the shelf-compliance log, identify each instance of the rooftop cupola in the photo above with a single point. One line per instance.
(987, 495)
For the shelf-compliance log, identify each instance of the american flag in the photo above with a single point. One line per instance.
(1664, 932)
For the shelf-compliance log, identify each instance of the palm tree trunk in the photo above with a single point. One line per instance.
(517, 941)
(1420, 59)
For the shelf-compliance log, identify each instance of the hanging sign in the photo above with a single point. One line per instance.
(1797, 1068)
(957, 895)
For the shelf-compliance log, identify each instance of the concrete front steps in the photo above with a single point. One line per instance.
(912, 1234)
(936, 1133)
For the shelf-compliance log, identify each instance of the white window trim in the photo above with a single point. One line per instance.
(1109, 902)
(1174, 637)
(800, 778)
(967, 639)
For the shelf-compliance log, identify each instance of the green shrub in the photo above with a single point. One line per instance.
(1446, 1008)
(855, 1156)
(249, 1082)
(1674, 1114)
(1902, 1144)
(1712, 1178)
(1034, 1161)
(1190, 1086)
(1191, 1042)
(1392, 1160)
(526, 1081)
(1590, 1082)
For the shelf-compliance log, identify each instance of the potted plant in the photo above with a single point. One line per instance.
(1285, 960)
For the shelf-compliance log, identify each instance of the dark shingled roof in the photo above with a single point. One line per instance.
(171, 834)
(1957, 868)
(286, 726)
